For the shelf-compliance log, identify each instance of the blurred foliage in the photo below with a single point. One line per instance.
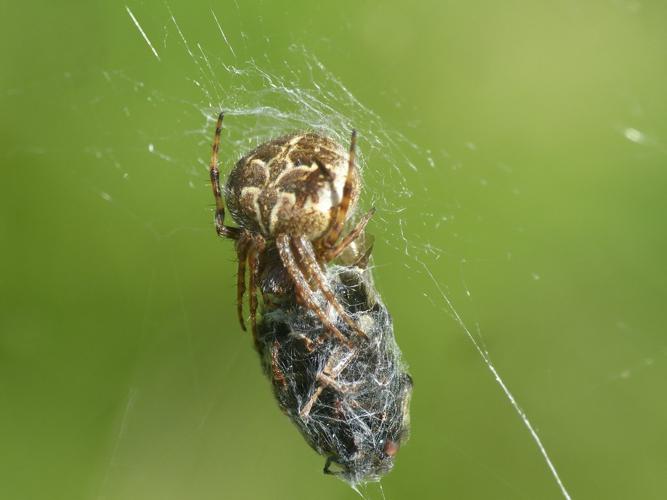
(123, 373)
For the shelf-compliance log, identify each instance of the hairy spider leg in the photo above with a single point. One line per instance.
(243, 245)
(221, 229)
(304, 249)
(327, 377)
(338, 220)
(302, 287)
(278, 374)
(362, 261)
(256, 248)
(330, 254)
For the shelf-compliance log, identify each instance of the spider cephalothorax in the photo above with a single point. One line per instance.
(291, 198)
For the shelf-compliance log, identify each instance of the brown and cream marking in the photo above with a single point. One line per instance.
(290, 197)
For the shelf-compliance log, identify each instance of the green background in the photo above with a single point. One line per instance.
(539, 135)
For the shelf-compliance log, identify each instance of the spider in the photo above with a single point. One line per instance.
(290, 197)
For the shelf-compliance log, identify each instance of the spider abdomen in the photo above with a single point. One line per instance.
(291, 185)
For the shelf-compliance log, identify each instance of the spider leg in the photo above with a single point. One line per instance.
(326, 378)
(257, 246)
(305, 251)
(331, 253)
(302, 287)
(221, 229)
(242, 245)
(362, 262)
(305, 411)
(338, 219)
(310, 344)
(278, 375)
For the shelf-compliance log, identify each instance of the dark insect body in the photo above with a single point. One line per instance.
(325, 338)
(349, 402)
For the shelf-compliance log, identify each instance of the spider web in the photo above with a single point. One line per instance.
(266, 98)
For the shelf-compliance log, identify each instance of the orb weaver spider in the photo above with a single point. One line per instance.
(291, 198)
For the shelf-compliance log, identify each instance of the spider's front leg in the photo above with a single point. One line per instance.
(302, 287)
(329, 253)
(221, 229)
(329, 245)
(340, 214)
(309, 262)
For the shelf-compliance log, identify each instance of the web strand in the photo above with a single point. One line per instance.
(489, 364)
